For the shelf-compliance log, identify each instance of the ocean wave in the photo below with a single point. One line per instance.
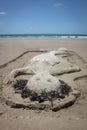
(43, 36)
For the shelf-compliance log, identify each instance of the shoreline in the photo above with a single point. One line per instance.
(44, 36)
(41, 38)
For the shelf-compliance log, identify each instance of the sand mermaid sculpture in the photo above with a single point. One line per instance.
(44, 83)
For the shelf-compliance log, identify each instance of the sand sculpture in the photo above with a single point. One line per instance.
(44, 86)
(48, 62)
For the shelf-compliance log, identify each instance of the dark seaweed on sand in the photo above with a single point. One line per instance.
(20, 87)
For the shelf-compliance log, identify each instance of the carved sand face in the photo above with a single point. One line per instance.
(43, 81)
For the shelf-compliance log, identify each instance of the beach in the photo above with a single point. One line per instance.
(11, 48)
(72, 118)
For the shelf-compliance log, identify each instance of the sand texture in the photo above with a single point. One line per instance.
(73, 117)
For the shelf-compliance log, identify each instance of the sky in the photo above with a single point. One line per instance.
(43, 16)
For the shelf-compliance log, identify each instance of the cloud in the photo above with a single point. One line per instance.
(2, 13)
(58, 4)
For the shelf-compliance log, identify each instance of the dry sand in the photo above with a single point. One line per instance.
(72, 118)
(10, 48)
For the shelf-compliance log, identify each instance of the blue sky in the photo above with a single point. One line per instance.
(43, 16)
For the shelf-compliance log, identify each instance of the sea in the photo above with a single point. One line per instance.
(44, 36)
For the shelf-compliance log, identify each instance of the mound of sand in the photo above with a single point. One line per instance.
(43, 81)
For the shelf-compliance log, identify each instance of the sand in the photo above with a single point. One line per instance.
(74, 117)
(11, 48)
